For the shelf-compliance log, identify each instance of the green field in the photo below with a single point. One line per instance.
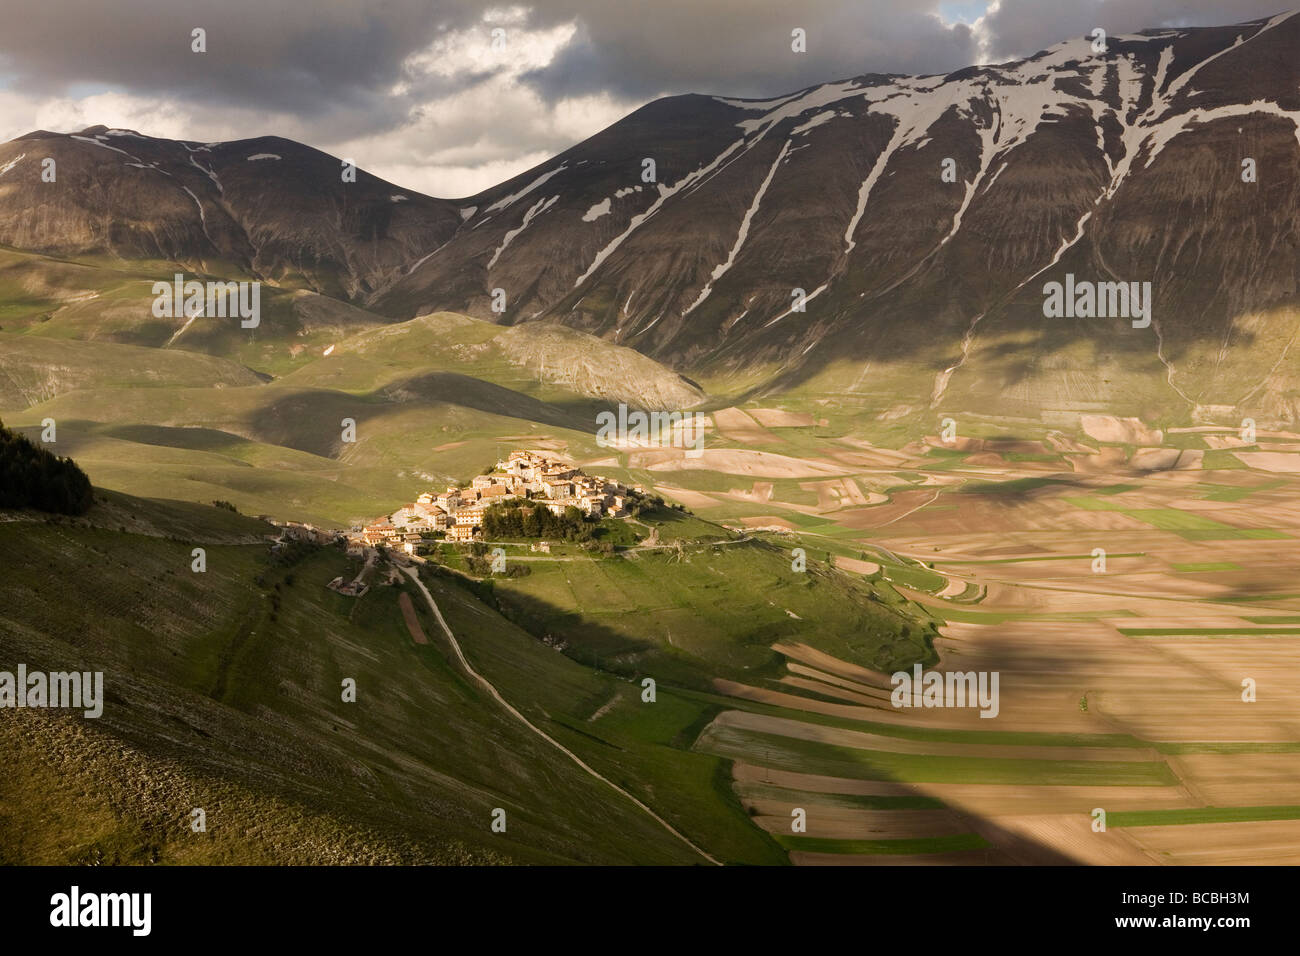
(945, 844)
(712, 610)
(1161, 818)
(788, 753)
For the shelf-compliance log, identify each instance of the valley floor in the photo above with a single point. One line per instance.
(1126, 684)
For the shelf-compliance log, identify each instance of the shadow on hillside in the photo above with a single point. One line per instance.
(581, 639)
(456, 389)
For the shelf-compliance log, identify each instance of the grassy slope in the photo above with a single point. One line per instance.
(639, 745)
(225, 702)
(713, 612)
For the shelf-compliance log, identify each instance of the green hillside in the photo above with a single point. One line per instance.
(223, 691)
(712, 609)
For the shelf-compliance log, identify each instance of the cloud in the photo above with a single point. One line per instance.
(455, 115)
(737, 48)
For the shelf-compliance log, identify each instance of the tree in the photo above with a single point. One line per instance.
(31, 477)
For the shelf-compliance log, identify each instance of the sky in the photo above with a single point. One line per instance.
(449, 97)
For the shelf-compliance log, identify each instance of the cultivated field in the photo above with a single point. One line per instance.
(1121, 687)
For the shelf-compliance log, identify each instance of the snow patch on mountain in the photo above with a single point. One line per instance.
(537, 209)
(210, 173)
(665, 193)
(815, 98)
(721, 269)
(539, 181)
(425, 258)
(753, 105)
(203, 219)
(595, 212)
(96, 142)
(808, 298)
(823, 117)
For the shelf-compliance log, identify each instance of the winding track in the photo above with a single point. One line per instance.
(455, 646)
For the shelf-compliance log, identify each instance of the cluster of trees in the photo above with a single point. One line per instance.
(31, 477)
(643, 505)
(479, 562)
(288, 553)
(528, 521)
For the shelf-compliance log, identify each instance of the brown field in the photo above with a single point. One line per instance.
(738, 426)
(1272, 843)
(768, 521)
(856, 565)
(734, 461)
(1276, 461)
(841, 824)
(691, 499)
(777, 418)
(412, 621)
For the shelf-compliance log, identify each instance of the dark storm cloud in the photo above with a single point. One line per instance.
(312, 55)
(317, 57)
(740, 48)
(307, 56)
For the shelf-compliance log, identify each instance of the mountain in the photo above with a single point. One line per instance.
(921, 295)
(1123, 165)
(266, 207)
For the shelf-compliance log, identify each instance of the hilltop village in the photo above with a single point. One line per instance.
(457, 513)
